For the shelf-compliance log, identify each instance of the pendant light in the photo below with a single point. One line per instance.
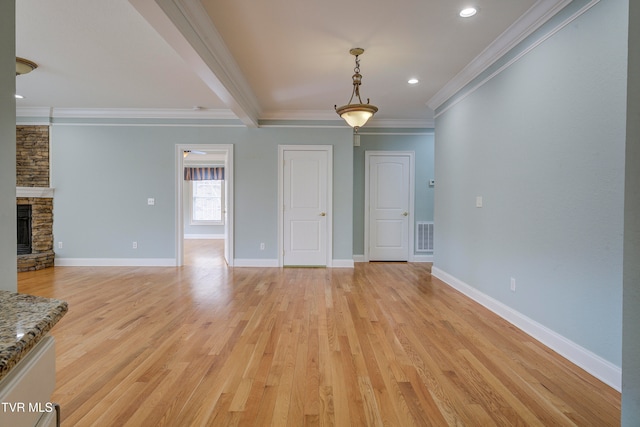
(356, 115)
(24, 66)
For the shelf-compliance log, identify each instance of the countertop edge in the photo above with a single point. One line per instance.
(52, 311)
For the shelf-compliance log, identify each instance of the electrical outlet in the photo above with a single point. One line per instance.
(135, 245)
(478, 201)
(59, 245)
(513, 284)
(262, 246)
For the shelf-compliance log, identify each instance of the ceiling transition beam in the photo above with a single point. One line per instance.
(186, 26)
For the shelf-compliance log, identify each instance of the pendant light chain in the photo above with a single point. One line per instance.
(357, 80)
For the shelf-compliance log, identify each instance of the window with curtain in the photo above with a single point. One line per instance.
(206, 187)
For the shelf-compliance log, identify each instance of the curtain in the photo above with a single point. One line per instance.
(204, 174)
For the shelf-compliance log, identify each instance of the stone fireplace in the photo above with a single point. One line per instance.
(32, 190)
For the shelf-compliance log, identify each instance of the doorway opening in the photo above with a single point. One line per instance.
(204, 204)
(204, 253)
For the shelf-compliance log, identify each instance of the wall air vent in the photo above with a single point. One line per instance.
(424, 236)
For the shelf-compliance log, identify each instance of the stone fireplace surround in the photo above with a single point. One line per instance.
(32, 181)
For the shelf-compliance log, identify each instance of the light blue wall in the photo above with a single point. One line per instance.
(101, 217)
(631, 310)
(543, 144)
(256, 175)
(419, 141)
(8, 240)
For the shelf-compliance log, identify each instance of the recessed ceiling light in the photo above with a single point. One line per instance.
(19, 96)
(413, 81)
(468, 12)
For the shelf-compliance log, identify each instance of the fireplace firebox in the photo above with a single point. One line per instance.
(24, 229)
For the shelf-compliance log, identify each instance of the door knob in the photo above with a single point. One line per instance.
(323, 214)
(405, 213)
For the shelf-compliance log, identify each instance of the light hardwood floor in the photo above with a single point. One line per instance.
(380, 344)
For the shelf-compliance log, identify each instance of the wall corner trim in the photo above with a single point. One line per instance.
(600, 368)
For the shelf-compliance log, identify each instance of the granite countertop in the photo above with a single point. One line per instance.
(24, 320)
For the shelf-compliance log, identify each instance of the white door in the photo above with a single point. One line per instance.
(305, 207)
(389, 207)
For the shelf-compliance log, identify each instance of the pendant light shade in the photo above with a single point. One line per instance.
(24, 66)
(356, 115)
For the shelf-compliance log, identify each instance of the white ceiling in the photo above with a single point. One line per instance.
(257, 59)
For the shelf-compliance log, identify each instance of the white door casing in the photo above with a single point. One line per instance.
(389, 200)
(305, 188)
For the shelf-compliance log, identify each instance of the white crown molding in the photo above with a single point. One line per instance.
(124, 113)
(141, 113)
(186, 26)
(205, 114)
(39, 112)
(330, 115)
(300, 115)
(400, 123)
(534, 18)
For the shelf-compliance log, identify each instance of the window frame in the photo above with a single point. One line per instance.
(222, 206)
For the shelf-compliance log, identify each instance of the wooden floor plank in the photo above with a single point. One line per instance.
(379, 344)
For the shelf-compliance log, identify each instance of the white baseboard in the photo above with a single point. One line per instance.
(205, 236)
(244, 262)
(342, 263)
(421, 258)
(336, 263)
(600, 368)
(115, 262)
(414, 258)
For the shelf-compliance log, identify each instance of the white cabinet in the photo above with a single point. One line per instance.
(25, 393)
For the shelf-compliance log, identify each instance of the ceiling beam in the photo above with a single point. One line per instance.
(186, 26)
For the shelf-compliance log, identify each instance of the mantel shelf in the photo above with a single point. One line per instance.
(42, 192)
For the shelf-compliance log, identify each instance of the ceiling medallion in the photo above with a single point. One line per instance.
(356, 115)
